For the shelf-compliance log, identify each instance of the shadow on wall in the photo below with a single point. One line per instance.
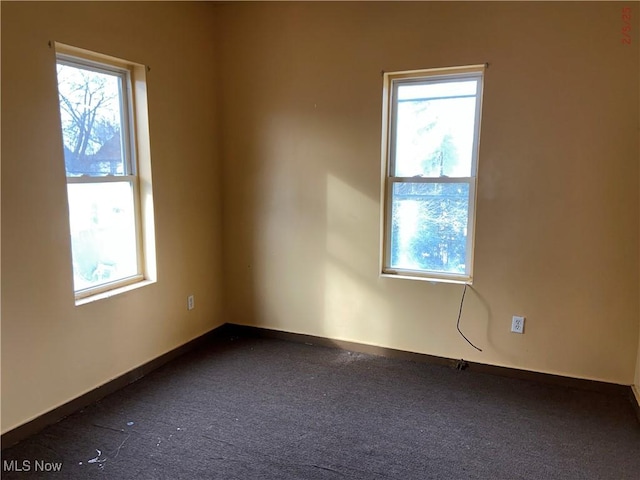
(355, 294)
(310, 247)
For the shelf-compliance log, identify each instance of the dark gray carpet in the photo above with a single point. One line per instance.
(270, 409)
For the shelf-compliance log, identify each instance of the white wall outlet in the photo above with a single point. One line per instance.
(517, 324)
(190, 303)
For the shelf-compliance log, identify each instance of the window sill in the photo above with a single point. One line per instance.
(113, 292)
(431, 279)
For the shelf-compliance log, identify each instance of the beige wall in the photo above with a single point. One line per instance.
(637, 376)
(557, 222)
(53, 351)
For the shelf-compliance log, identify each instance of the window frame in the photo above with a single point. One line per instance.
(135, 139)
(391, 82)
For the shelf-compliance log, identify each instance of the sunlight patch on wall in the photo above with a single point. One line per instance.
(353, 308)
(353, 228)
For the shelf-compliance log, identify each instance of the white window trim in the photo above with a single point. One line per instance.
(137, 165)
(391, 81)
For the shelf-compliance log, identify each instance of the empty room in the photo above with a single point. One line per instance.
(320, 240)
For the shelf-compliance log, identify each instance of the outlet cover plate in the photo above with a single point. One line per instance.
(517, 324)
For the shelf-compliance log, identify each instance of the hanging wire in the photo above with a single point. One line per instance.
(460, 315)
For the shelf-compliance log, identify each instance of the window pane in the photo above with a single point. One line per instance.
(434, 136)
(103, 232)
(429, 226)
(91, 112)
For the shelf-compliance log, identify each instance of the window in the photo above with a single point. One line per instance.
(98, 121)
(431, 127)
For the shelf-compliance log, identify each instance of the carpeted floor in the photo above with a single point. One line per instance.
(270, 409)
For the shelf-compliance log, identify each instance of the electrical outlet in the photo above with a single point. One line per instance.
(517, 324)
(190, 303)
